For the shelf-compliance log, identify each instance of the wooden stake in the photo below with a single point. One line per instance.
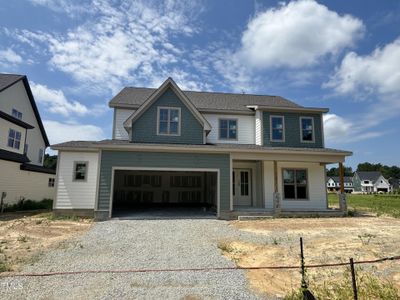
(303, 268)
(341, 176)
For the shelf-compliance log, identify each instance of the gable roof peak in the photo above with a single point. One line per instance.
(169, 82)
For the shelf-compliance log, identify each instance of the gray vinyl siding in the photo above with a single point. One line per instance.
(111, 159)
(144, 129)
(292, 130)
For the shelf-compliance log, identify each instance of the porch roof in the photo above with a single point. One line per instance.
(126, 145)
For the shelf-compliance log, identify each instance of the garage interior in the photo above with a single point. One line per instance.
(164, 192)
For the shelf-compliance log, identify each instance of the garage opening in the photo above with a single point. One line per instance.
(164, 193)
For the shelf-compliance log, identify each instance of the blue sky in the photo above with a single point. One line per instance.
(344, 55)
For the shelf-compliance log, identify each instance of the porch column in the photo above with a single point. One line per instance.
(342, 194)
(277, 197)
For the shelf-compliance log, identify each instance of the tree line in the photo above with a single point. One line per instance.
(387, 171)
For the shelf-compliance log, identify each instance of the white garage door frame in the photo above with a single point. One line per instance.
(113, 169)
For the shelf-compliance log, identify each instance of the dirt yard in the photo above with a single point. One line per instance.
(326, 240)
(24, 237)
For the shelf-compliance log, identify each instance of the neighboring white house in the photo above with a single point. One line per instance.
(371, 182)
(333, 184)
(23, 142)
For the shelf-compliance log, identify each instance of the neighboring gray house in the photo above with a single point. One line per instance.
(234, 154)
(23, 142)
(333, 184)
(370, 182)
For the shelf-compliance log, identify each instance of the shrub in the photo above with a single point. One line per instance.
(23, 204)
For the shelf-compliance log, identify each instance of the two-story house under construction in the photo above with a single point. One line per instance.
(235, 154)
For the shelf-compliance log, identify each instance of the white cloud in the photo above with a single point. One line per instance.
(56, 102)
(297, 34)
(339, 130)
(378, 72)
(9, 57)
(62, 132)
(128, 42)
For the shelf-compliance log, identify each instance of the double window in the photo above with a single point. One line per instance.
(295, 184)
(307, 129)
(51, 182)
(16, 114)
(228, 129)
(80, 171)
(14, 139)
(277, 124)
(169, 121)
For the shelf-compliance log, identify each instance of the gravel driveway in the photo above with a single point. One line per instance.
(138, 244)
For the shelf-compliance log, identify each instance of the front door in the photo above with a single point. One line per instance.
(241, 187)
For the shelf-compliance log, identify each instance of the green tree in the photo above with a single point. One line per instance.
(50, 161)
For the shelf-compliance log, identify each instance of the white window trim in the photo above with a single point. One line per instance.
(14, 138)
(158, 120)
(295, 185)
(271, 129)
(228, 138)
(301, 129)
(74, 171)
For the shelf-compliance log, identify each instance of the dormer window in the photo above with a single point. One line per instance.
(169, 121)
(307, 129)
(228, 129)
(277, 124)
(16, 114)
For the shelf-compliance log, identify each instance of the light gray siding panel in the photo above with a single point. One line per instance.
(111, 159)
(292, 130)
(144, 129)
(121, 115)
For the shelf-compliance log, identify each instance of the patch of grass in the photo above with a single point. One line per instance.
(368, 287)
(381, 204)
(366, 238)
(22, 238)
(225, 246)
(23, 205)
(4, 267)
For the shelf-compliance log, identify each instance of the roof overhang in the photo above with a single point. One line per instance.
(289, 109)
(237, 152)
(169, 83)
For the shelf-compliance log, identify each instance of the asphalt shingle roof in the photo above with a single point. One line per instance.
(369, 175)
(8, 79)
(134, 97)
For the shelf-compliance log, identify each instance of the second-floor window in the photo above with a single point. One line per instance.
(14, 139)
(169, 121)
(307, 129)
(277, 129)
(16, 114)
(228, 129)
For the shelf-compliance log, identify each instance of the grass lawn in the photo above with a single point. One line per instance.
(381, 204)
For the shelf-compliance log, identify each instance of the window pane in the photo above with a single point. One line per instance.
(163, 127)
(288, 176)
(173, 127)
(301, 192)
(301, 177)
(11, 133)
(10, 142)
(277, 134)
(174, 115)
(223, 133)
(80, 171)
(232, 129)
(289, 192)
(307, 135)
(306, 124)
(16, 144)
(18, 135)
(163, 114)
(223, 124)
